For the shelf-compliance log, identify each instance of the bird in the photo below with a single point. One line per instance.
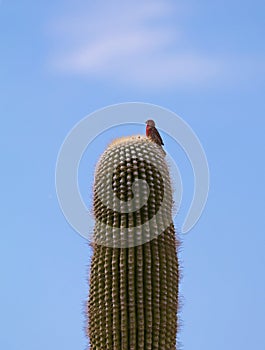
(153, 134)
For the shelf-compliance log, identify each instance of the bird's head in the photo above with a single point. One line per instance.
(150, 122)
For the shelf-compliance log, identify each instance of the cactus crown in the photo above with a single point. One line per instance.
(132, 193)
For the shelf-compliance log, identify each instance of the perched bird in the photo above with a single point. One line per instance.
(153, 134)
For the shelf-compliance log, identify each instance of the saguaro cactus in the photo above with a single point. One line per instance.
(134, 275)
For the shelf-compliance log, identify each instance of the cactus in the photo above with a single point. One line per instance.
(134, 275)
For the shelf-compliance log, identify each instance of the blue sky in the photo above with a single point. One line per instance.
(62, 60)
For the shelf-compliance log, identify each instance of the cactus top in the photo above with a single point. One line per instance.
(132, 193)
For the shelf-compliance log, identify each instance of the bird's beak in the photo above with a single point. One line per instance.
(146, 122)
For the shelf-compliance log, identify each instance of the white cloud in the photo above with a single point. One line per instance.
(132, 42)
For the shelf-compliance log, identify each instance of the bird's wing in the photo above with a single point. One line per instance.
(158, 136)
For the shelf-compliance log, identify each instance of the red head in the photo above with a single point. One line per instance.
(150, 122)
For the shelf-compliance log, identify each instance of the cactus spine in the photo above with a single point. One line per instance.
(134, 276)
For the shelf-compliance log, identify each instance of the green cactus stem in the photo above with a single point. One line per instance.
(134, 275)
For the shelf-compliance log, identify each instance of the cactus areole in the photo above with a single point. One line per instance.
(134, 277)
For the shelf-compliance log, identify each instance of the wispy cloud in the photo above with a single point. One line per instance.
(132, 42)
